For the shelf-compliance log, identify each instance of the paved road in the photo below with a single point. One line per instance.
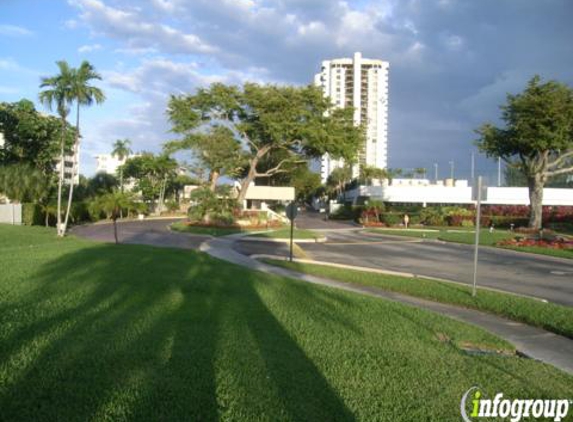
(317, 221)
(546, 278)
(531, 275)
(147, 232)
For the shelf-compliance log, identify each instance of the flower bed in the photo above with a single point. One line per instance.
(550, 243)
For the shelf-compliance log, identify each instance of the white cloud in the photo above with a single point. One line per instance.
(89, 48)
(132, 27)
(14, 31)
(71, 24)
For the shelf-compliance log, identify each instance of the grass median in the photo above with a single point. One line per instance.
(552, 317)
(207, 230)
(92, 331)
(284, 233)
(487, 238)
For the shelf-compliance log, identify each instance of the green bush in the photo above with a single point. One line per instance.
(32, 215)
(392, 219)
(347, 212)
(172, 206)
(432, 216)
(80, 213)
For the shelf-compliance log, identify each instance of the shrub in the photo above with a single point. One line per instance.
(212, 207)
(32, 214)
(172, 206)
(432, 216)
(392, 219)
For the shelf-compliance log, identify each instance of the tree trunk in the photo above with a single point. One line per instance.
(115, 230)
(61, 179)
(248, 179)
(73, 175)
(214, 177)
(536, 183)
(47, 220)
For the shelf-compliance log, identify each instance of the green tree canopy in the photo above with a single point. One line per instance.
(216, 149)
(152, 174)
(537, 138)
(31, 137)
(297, 121)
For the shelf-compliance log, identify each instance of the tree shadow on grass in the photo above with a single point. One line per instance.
(140, 333)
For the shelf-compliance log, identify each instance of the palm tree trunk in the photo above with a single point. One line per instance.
(73, 175)
(115, 230)
(61, 179)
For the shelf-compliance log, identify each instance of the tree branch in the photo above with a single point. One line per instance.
(274, 170)
(558, 172)
(560, 159)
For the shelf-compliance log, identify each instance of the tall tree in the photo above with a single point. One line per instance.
(31, 137)
(338, 178)
(121, 150)
(83, 94)
(57, 93)
(152, 174)
(537, 138)
(298, 121)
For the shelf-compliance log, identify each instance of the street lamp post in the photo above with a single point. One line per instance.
(452, 170)
(436, 172)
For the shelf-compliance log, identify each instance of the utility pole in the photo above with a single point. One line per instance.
(498, 171)
(436, 172)
(452, 170)
(473, 167)
(477, 226)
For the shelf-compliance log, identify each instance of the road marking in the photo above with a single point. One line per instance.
(561, 272)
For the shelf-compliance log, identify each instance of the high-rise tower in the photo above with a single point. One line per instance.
(362, 84)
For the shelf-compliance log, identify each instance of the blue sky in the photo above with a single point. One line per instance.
(451, 61)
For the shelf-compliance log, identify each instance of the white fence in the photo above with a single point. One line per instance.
(11, 213)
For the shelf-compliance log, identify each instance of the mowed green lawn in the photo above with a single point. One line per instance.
(284, 233)
(102, 332)
(205, 230)
(467, 236)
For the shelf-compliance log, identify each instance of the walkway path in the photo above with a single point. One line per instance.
(533, 342)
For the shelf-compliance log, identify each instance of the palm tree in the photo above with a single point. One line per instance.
(83, 94)
(121, 150)
(58, 94)
(112, 204)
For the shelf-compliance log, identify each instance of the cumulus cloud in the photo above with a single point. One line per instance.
(130, 26)
(451, 61)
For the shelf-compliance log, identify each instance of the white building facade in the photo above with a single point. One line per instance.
(108, 163)
(71, 165)
(363, 84)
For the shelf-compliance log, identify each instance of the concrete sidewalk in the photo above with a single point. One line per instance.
(532, 342)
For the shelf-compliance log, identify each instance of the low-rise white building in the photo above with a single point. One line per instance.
(109, 163)
(421, 191)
